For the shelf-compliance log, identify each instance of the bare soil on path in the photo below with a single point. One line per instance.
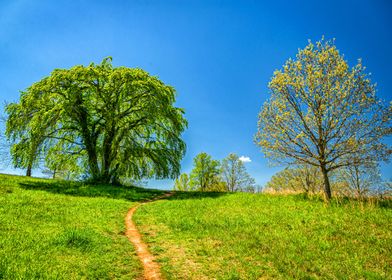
(150, 267)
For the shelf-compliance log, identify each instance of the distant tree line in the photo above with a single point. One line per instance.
(356, 181)
(208, 174)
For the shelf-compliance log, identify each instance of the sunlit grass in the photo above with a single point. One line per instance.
(62, 230)
(247, 236)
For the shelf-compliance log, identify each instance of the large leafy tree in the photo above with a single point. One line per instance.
(321, 111)
(121, 122)
(205, 172)
(234, 174)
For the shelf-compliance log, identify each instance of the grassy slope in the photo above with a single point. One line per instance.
(245, 236)
(59, 230)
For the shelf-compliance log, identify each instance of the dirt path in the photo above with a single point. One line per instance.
(151, 268)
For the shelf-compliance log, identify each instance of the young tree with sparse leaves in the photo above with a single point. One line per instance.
(321, 111)
(360, 180)
(234, 174)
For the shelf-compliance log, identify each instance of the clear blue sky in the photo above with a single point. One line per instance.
(219, 55)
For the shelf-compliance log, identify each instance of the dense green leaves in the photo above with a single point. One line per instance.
(120, 122)
(182, 183)
(205, 172)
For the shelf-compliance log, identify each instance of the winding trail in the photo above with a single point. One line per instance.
(151, 268)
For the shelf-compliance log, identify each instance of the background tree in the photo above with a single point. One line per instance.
(280, 182)
(303, 178)
(120, 121)
(234, 174)
(309, 178)
(205, 172)
(384, 189)
(360, 180)
(320, 111)
(182, 183)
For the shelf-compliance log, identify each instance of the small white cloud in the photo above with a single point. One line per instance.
(245, 159)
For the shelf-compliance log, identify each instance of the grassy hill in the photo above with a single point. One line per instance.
(62, 230)
(247, 236)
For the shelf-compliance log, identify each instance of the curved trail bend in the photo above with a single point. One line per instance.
(151, 268)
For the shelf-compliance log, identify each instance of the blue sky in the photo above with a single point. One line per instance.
(219, 55)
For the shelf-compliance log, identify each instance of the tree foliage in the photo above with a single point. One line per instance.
(24, 131)
(211, 175)
(4, 145)
(302, 178)
(234, 174)
(63, 165)
(182, 183)
(320, 111)
(205, 172)
(360, 180)
(120, 122)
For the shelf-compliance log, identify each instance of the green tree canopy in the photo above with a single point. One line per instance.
(320, 111)
(121, 122)
(205, 172)
(182, 183)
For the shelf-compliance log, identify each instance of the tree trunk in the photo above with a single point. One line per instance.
(107, 156)
(93, 165)
(28, 171)
(89, 138)
(90, 144)
(327, 186)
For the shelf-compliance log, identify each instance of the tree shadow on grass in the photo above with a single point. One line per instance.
(181, 195)
(92, 190)
(110, 191)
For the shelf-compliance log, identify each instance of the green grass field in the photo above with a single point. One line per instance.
(63, 230)
(58, 230)
(247, 236)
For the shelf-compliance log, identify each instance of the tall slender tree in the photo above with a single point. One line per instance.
(234, 174)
